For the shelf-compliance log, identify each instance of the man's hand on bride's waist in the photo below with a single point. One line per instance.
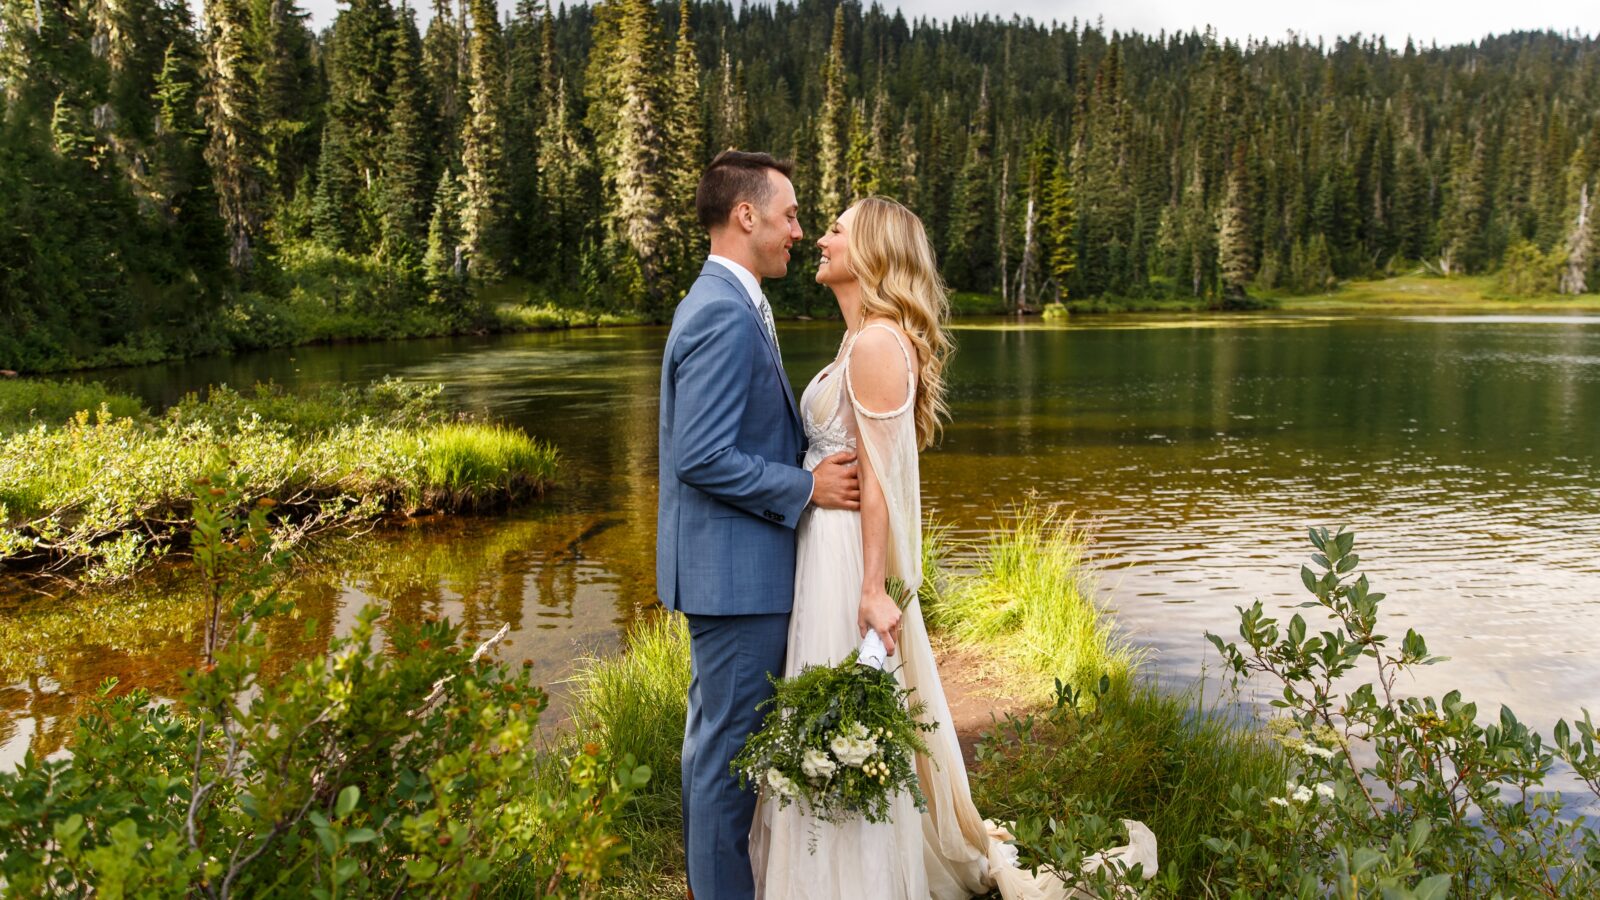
(836, 483)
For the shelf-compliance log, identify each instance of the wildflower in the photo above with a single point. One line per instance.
(1325, 791)
(1278, 800)
(1302, 794)
(1320, 752)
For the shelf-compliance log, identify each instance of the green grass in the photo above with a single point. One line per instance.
(26, 402)
(1414, 293)
(1146, 754)
(635, 703)
(113, 492)
(468, 464)
(970, 303)
(550, 317)
(1140, 752)
(1030, 607)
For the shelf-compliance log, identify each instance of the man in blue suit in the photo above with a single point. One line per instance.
(732, 490)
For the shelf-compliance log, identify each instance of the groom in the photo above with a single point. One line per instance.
(732, 490)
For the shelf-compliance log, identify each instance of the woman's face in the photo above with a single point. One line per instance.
(834, 267)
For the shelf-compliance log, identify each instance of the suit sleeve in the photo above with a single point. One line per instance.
(710, 405)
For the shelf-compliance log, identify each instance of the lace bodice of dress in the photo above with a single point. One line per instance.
(829, 421)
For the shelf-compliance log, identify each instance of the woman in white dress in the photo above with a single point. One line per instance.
(883, 396)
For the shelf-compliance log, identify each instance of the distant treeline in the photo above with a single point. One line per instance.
(162, 182)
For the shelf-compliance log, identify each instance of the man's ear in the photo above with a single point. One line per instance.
(744, 214)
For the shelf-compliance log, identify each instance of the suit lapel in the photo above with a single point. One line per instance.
(720, 271)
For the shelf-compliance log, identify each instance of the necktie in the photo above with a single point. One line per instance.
(766, 319)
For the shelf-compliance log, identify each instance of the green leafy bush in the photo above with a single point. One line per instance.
(25, 402)
(1393, 796)
(1526, 271)
(111, 492)
(410, 769)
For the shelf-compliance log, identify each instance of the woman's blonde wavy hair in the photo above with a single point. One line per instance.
(891, 256)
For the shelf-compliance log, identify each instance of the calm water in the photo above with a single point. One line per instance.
(1461, 449)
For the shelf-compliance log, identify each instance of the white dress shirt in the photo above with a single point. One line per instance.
(752, 287)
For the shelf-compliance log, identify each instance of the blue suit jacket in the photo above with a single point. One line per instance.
(731, 444)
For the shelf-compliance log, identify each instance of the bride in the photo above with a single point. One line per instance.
(883, 395)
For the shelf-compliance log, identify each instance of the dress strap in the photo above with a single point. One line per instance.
(911, 374)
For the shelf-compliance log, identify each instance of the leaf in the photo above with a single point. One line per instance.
(360, 836)
(1308, 578)
(421, 869)
(347, 801)
(1434, 888)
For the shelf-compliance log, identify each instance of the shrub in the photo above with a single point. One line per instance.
(1403, 796)
(1526, 271)
(366, 772)
(110, 492)
(25, 402)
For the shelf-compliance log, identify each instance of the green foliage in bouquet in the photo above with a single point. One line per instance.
(841, 740)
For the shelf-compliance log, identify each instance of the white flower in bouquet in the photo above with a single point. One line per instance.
(818, 765)
(782, 783)
(853, 751)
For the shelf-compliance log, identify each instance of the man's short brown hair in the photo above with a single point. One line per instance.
(735, 177)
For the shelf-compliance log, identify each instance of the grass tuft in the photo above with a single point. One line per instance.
(468, 465)
(1030, 604)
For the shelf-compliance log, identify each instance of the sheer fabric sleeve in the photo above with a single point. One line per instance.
(889, 439)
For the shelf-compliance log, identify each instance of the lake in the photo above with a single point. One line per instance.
(1461, 449)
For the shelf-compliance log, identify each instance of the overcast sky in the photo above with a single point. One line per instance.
(1428, 21)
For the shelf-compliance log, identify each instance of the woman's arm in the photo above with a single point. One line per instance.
(879, 383)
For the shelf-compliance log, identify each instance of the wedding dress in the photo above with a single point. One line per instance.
(949, 851)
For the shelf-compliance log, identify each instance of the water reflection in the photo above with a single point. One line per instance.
(1462, 450)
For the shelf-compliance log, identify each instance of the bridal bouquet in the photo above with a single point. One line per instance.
(840, 740)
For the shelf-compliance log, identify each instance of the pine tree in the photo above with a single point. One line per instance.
(686, 157)
(1463, 244)
(182, 178)
(407, 179)
(444, 263)
(1235, 256)
(832, 126)
(731, 111)
(859, 162)
(971, 231)
(626, 116)
(235, 148)
(288, 87)
(442, 51)
(565, 171)
(523, 116)
(485, 218)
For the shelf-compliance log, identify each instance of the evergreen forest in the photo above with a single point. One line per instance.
(173, 184)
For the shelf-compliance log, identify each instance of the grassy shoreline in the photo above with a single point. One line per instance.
(103, 491)
(1130, 750)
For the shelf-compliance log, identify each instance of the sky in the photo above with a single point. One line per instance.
(1428, 21)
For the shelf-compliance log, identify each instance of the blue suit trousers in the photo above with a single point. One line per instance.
(731, 658)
